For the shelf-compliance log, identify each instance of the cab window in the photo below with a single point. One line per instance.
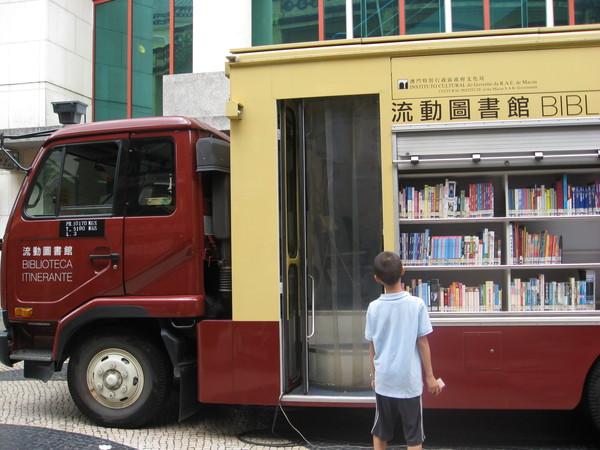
(75, 180)
(151, 178)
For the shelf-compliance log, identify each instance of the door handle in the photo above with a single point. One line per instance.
(312, 298)
(111, 256)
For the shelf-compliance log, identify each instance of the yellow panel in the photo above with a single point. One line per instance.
(254, 209)
(530, 84)
(259, 78)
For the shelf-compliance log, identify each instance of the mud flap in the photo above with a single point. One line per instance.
(188, 390)
(4, 349)
(39, 370)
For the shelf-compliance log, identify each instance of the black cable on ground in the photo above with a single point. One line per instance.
(242, 436)
(303, 441)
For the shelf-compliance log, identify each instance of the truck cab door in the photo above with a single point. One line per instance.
(64, 243)
(162, 257)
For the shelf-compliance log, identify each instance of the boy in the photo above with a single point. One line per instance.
(397, 327)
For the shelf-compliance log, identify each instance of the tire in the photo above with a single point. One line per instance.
(592, 395)
(119, 379)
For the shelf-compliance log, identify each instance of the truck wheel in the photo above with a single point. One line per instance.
(592, 395)
(119, 380)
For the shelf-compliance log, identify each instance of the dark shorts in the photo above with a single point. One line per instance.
(389, 410)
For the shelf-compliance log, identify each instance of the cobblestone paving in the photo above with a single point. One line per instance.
(58, 424)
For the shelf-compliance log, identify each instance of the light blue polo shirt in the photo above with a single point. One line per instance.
(394, 322)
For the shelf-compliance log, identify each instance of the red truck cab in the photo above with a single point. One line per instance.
(111, 256)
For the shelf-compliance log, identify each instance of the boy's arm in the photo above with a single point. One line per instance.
(425, 352)
(372, 359)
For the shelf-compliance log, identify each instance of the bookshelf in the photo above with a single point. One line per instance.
(490, 240)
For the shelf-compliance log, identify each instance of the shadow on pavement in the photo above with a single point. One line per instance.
(38, 438)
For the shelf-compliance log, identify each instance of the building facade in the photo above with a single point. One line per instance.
(137, 58)
(46, 47)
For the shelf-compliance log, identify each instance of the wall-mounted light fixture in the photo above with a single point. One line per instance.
(233, 110)
(69, 113)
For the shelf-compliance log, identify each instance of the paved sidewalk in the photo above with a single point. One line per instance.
(36, 415)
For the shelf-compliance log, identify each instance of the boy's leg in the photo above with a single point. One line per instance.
(411, 447)
(378, 444)
(412, 422)
(386, 415)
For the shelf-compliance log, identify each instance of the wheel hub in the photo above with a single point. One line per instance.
(115, 378)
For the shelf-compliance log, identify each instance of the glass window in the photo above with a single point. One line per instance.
(110, 61)
(288, 21)
(335, 19)
(536, 13)
(183, 36)
(291, 188)
(424, 16)
(467, 15)
(506, 14)
(375, 18)
(295, 21)
(561, 12)
(151, 178)
(262, 22)
(75, 180)
(517, 13)
(587, 11)
(150, 56)
(41, 200)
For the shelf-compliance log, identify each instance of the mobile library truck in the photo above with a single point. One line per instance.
(152, 254)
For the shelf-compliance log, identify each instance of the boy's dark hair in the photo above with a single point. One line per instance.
(388, 267)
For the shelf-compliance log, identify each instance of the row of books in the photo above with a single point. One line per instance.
(443, 200)
(457, 297)
(421, 249)
(533, 294)
(560, 199)
(536, 294)
(533, 248)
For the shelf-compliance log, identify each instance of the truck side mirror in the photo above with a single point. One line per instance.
(212, 155)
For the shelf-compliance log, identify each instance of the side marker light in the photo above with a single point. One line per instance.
(24, 312)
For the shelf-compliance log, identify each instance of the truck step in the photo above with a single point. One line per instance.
(32, 355)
